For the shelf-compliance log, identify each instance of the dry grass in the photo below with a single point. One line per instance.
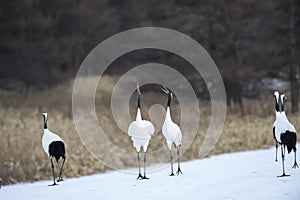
(22, 157)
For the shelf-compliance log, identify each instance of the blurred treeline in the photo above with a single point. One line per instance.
(44, 42)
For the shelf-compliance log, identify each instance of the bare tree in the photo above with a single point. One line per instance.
(293, 64)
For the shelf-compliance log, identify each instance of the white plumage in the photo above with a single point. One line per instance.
(286, 124)
(171, 131)
(284, 132)
(276, 129)
(140, 132)
(281, 124)
(53, 146)
(289, 133)
(47, 139)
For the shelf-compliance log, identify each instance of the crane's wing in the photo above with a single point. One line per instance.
(141, 129)
(290, 127)
(132, 128)
(149, 126)
(172, 132)
(179, 135)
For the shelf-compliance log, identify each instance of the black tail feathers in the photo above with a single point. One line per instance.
(289, 139)
(57, 150)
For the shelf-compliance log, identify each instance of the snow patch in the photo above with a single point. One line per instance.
(243, 175)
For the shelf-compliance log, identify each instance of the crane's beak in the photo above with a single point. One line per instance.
(165, 90)
(138, 88)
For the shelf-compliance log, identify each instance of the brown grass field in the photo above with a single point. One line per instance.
(22, 158)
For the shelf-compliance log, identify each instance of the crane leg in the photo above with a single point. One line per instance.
(172, 174)
(276, 152)
(282, 156)
(295, 163)
(144, 177)
(61, 169)
(140, 175)
(179, 170)
(52, 165)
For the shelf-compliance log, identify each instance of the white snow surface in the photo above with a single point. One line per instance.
(243, 175)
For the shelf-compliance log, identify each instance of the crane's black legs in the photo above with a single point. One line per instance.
(140, 175)
(276, 152)
(295, 163)
(61, 169)
(144, 177)
(172, 174)
(179, 170)
(282, 156)
(54, 183)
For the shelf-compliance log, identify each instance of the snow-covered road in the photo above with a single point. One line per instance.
(243, 175)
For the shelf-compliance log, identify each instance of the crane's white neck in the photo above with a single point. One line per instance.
(138, 115)
(283, 113)
(168, 114)
(277, 114)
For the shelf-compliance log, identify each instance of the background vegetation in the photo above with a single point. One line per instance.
(254, 43)
(23, 159)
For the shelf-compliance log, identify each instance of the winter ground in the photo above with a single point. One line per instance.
(243, 175)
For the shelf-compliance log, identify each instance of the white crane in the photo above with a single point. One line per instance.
(140, 132)
(275, 125)
(289, 135)
(171, 131)
(54, 146)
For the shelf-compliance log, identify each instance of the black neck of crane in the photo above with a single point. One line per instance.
(139, 101)
(282, 106)
(169, 99)
(45, 122)
(276, 105)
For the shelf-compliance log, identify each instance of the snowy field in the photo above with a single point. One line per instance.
(244, 175)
